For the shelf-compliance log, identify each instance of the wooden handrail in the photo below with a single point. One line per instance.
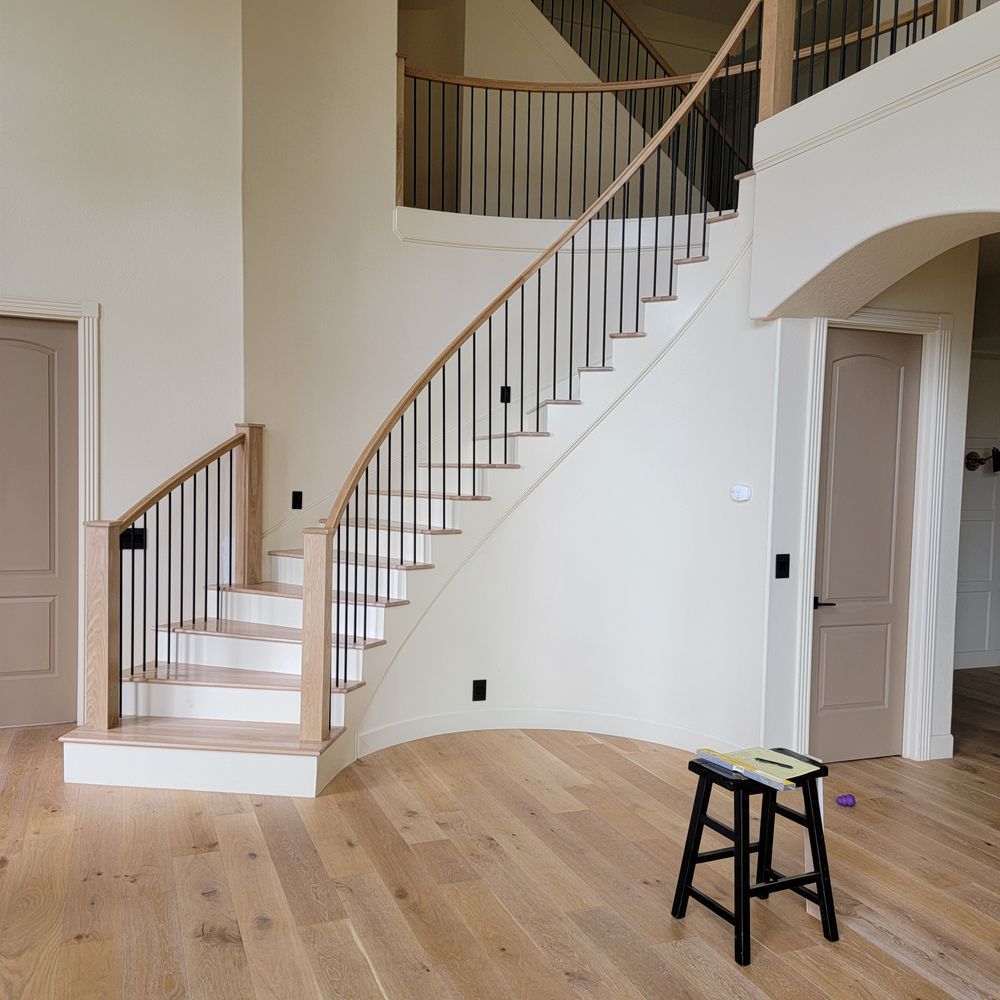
(484, 83)
(710, 72)
(139, 508)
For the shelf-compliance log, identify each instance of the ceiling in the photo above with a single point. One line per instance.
(724, 11)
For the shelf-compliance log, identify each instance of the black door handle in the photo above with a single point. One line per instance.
(817, 603)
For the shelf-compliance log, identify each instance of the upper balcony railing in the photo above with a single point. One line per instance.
(835, 39)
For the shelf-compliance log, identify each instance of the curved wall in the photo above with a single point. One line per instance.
(868, 180)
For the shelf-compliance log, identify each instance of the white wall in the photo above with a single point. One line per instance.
(834, 224)
(625, 592)
(120, 183)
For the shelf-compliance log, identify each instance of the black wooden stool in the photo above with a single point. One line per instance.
(768, 880)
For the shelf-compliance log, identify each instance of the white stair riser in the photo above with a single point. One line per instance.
(288, 569)
(250, 654)
(406, 546)
(199, 701)
(472, 481)
(266, 609)
(443, 513)
(197, 770)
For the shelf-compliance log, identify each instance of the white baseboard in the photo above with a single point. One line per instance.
(942, 747)
(536, 718)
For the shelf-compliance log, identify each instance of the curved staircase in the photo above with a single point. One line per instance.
(211, 666)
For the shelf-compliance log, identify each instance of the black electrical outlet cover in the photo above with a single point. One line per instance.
(782, 566)
(296, 499)
(479, 690)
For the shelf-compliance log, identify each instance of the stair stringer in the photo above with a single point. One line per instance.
(569, 426)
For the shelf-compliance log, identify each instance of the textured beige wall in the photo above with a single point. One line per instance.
(120, 183)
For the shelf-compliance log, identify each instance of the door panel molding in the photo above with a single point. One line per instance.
(87, 316)
(919, 741)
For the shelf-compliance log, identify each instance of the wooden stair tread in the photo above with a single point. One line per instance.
(691, 260)
(203, 734)
(595, 368)
(201, 675)
(561, 402)
(626, 335)
(724, 217)
(294, 590)
(382, 562)
(254, 630)
(659, 298)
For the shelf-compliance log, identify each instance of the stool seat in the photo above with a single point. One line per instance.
(769, 880)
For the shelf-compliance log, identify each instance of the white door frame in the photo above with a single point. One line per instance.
(87, 316)
(925, 559)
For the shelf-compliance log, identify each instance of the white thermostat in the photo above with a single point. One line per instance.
(740, 494)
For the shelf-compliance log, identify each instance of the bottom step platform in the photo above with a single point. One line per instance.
(201, 755)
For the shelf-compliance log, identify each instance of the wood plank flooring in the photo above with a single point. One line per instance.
(527, 864)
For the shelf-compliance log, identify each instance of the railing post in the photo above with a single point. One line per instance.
(400, 125)
(945, 14)
(248, 487)
(317, 629)
(777, 54)
(102, 662)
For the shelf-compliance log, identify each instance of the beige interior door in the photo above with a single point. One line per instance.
(863, 544)
(38, 521)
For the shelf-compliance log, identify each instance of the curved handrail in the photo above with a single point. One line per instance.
(528, 86)
(370, 451)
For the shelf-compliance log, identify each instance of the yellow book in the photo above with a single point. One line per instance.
(761, 764)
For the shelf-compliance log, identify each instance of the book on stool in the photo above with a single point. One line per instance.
(769, 767)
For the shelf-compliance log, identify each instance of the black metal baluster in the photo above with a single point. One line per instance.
(180, 574)
(121, 623)
(170, 564)
(572, 153)
(555, 325)
(145, 587)
(826, 53)
(441, 85)
(500, 94)
(231, 517)
(506, 384)
(638, 242)
(458, 428)
(572, 301)
(812, 52)
(402, 535)
(194, 547)
(621, 276)
(336, 628)
(486, 140)
(205, 578)
(590, 258)
(796, 61)
(458, 147)
(489, 392)
(555, 178)
(364, 577)
(541, 162)
(444, 448)
(156, 590)
(131, 629)
(472, 139)
(527, 163)
(538, 355)
(522, 362)
(357, 547)
(475, 412)
(218, 537)
(895, 27)
(656, 222)
(378, 517)
(513, 153)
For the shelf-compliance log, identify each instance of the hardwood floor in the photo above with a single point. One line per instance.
(485, 865)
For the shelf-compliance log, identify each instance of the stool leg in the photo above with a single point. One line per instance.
(766, 838)
(741, 873)
(817, 845)
(698, 812)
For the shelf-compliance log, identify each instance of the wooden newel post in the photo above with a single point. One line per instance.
(317, 633)
(102, 664)
(248, 487)
(777, 53)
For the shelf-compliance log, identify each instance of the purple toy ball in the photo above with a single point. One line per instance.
(847, 800)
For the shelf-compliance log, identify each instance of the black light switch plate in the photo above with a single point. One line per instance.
(782, 566)
(479, 690)
(296, 499)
